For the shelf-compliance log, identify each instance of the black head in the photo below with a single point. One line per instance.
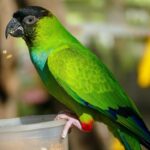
(24, 20)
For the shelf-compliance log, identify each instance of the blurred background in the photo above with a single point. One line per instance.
(117, 31)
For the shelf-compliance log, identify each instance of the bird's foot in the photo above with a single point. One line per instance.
(71, 121)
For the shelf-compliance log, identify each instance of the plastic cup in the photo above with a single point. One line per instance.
(32, 133)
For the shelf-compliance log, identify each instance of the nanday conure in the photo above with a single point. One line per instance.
(77, 78)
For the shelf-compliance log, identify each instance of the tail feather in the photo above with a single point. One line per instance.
(132, 123)
(129, 142)
(146, 143)
(135, 127)
(143, 136)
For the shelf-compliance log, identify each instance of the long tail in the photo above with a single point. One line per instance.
(132, 131)
(141, 136)
(129, 142)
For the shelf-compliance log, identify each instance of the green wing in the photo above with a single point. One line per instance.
(90, 83)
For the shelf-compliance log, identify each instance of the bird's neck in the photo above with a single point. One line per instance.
(50, 34)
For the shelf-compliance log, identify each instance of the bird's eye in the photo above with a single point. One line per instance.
(30, 20)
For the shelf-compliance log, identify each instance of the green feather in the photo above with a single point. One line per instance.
(79, 80)
(130, 142)
(83, 77)
(86, 79)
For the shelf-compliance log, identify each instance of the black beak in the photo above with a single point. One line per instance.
(14, 28)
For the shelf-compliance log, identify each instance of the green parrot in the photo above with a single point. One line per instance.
(77, 78)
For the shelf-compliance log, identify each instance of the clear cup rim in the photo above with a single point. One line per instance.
(23, 124)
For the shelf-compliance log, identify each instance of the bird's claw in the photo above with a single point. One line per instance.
(70, 122)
